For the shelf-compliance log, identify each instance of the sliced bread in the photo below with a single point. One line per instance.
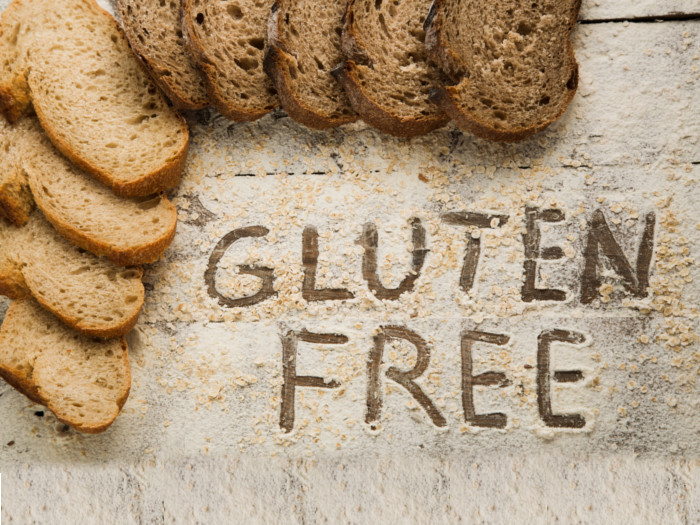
(511, 63)
(227, 40)
(129, 232)
(154, 30)
(303, 47)
(96, 103)
(387, 73)
(16, 203)
(83, 381)
(88, 293)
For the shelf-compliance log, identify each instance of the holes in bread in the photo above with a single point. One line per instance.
(257, 43)
(524, 28)
(544, 101)
(382, 22)
(234, 12)
(377, 4)
(199, 18)
(500, 115)
(246, 63)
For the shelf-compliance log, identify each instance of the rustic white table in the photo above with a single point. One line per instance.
(351, 328)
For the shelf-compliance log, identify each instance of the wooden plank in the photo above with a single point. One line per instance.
(637, 9)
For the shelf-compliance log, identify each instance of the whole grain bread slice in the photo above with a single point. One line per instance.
(387, 73)
(83, 381)
(71, 61)
(154, 30)
(511, 63)
(303, 47)
(226, 40)
(16, 202)
(129, 232)
(88, 293)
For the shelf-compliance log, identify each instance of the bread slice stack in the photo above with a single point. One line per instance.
(81, 203)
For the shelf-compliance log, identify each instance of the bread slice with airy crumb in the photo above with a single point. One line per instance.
(511, 63)
(83, 381)
(303, 47)
(88, 293)
(16, 202)
(128, 231)
(226, 39)
(72, 63)
(387, 73)
(154, 31)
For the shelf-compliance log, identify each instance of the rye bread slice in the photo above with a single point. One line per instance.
(88, 293)
(129, 232)
(511, 63)
(154, 31)
(226, 40)
(303, 47)
(83, 381)
(71, 61)
(387, 73)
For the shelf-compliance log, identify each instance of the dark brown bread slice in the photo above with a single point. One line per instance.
(512, 63)
(226, 40)
(154, 30)
(303, 47)
(387, 73)
(84, 382)
(72, 63)
(88, 293)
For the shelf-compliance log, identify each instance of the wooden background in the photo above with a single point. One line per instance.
(184, 450)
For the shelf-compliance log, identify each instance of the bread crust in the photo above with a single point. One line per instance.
(446, 96)
(24, 383)
(369, 110)
(156, 70)
(206, 65)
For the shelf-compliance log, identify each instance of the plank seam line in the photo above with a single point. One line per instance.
(670, 17)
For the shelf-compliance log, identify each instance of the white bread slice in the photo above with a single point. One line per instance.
(129, 232)
(88, 293)
(154, 30)
(71, 61)
(226, 39)
(83, 381)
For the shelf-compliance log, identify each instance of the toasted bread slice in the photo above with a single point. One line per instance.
(303, 47)
(154, 30)
(83, 381)
(71, 61)
(226, 39)
(511, 63)
(88, 293)
(387, 73)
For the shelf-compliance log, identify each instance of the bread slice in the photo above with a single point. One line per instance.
(84, 382)
(303, 47)
(227, 40)
(96, 103)
(512, 63)
(16, 202)
(387, 74)
(154, 31)
(88, 293)
(129, 232)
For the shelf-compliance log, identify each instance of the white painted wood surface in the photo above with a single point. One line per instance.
(199, 438)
